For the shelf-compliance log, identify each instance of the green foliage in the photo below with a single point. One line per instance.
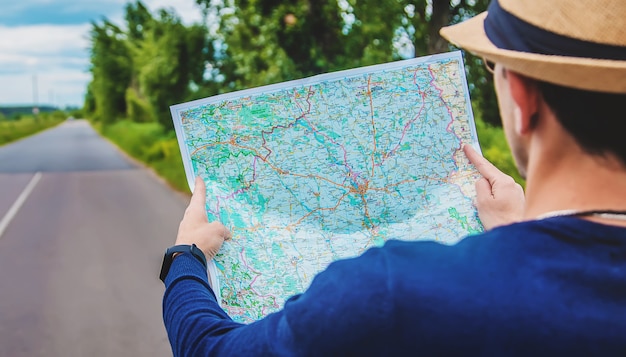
(170, 167)
(11, 130)
(266, 41)
(167, 60)
(17, 112)
(77, 113)
(138, 108)
(152, 144)
(90, 101)
(141, 71)
(134, 138)
(111, 69)
(482, 90)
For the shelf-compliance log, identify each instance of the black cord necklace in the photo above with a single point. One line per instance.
(606, 214)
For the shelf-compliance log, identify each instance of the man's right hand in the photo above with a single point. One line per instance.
(499, 199)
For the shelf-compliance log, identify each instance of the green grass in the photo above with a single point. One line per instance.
(152, 145)
(12, 130)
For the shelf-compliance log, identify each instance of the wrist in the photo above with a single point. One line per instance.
(175, 251)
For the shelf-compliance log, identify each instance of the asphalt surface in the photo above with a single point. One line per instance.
(82, 235)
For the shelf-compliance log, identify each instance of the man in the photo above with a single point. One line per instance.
(548, 278)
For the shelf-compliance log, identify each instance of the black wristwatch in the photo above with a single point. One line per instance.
(169, 257)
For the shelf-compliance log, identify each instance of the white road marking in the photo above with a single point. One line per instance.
(4, 223)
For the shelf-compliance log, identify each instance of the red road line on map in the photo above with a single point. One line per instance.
(352, 174)
(278, 170)
(205, 146)
(369, 94)
(406, 127)
(304, 113)
(245, 263)
(304, 117)
(316, 210)
(448, 128)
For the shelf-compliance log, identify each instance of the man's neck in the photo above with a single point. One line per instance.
(576, 181)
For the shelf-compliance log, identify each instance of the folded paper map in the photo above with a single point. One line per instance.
(314, 170)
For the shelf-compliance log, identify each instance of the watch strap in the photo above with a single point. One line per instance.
(183, 248)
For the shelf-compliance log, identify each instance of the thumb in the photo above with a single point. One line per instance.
(198, 199)
(483, 189)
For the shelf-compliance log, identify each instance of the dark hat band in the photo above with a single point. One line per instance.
(509, 32)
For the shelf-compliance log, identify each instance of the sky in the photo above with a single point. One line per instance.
(44, 46)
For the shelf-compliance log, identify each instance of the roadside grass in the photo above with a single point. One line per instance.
(12, 130)
(152, 145)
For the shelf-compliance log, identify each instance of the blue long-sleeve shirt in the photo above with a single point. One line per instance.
(549, 287)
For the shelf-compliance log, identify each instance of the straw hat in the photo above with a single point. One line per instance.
(579, 44)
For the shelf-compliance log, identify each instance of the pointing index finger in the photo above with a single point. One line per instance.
(198, 198)
(483, 166)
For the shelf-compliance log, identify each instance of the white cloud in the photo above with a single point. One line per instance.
(58, 54)
(44, 40)
(188, 10)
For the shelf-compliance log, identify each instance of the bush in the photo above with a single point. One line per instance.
(151, 144)
(170, 167)
(137, 108)
(134, 138)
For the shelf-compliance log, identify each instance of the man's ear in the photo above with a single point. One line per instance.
(526, 96)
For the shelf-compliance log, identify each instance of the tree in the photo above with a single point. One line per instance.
(111, 70)
(267, 41)
(138, 20)
(158, 61)
(168, 60)
(140, 72)
(420, 21)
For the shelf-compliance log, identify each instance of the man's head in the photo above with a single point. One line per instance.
(557, 57)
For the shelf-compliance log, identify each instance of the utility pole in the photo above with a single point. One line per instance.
(35, 99)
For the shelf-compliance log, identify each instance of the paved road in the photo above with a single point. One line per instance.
(79, 257)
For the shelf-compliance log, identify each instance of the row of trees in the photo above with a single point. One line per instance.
(146, 65)
(154, 60)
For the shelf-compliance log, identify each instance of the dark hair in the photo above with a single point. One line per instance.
(596, 120)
